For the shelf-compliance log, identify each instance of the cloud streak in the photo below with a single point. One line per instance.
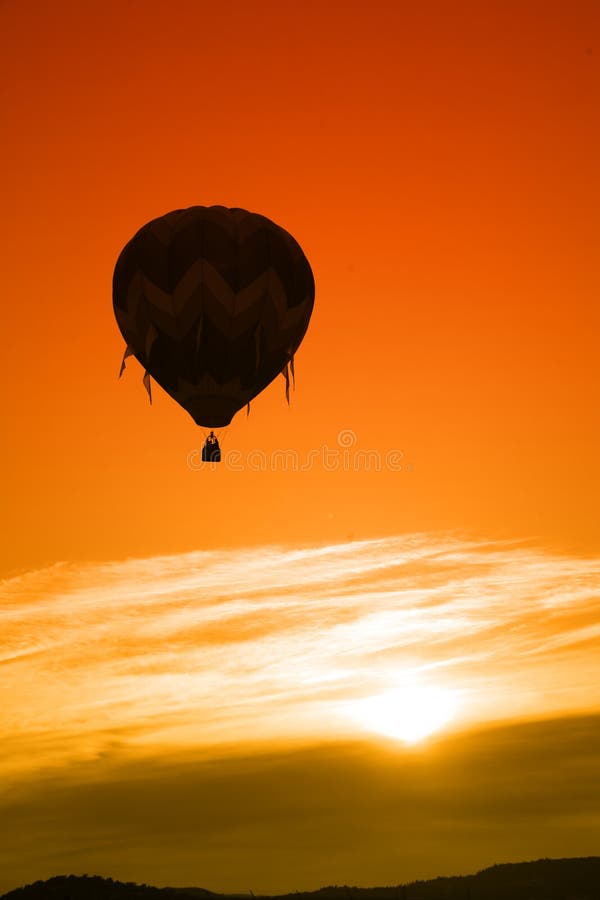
(271, 644)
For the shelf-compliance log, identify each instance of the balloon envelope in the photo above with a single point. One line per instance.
(213, 302)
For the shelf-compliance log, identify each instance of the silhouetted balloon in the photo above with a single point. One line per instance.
(213, 302)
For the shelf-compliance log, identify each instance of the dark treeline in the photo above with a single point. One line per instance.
(93, 887)
(545, 879)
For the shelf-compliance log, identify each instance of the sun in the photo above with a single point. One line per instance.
(408, 714)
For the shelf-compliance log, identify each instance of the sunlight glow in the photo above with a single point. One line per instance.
(398, 636)
(408, 714)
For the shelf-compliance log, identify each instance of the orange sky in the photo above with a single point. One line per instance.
(438, 164)
(244, 631)
(283, 718)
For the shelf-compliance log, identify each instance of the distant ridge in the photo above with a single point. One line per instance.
(544, 879)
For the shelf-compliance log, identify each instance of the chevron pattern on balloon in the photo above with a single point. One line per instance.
(213, 302)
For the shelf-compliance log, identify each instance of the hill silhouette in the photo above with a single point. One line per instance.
(544, 879)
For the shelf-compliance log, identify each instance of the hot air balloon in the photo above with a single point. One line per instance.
(213, 302)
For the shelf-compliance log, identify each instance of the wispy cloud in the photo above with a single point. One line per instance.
(210, 648)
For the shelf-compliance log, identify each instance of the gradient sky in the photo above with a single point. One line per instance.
(199, 718)
(185, 651)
